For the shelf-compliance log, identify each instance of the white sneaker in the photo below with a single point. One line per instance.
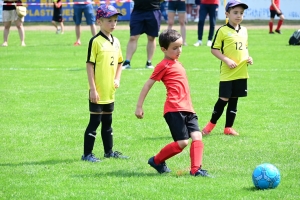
(209, 43)
(198, 43)
(58, 31)
(196, 20)
(127, 66)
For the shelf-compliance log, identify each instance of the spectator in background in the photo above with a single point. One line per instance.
(57, 16)
(189, 8)
(88, 10)
(177, 6)
(197, 2)
(163, 11)
(10, 15)
(209, 7)
(145, 18)
(275, 10)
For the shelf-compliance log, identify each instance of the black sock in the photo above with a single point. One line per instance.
(231, 112)
(90, 133)
(107, 133)
(218, 110)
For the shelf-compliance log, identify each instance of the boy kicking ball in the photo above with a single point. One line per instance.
(178, 110)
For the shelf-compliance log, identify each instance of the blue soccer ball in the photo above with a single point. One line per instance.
(266, 176)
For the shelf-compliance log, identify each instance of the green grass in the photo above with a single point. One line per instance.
(44, 112)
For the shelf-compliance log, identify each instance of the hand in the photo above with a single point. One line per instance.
(139, 113)
(117, 83)
(231, 64)
(94, 96)
(250, 60)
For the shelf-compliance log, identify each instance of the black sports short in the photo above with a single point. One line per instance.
(98, 108)
(234, 88)
(182, 124)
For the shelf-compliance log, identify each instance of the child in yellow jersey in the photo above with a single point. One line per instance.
(230, 45)
(104, 67)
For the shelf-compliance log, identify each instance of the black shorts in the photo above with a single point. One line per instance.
(182, 124)
(101, 107)
(273, 13)
(234, 88)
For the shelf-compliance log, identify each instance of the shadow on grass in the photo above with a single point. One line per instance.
(45, 162)
(121, 173)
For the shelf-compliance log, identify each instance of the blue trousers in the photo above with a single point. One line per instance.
(212, 11)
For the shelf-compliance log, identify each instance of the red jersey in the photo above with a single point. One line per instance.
(277, 3)
(210, 2)
(173, 75)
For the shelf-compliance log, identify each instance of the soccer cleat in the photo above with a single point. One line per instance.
(115, 154)
(198, 43)
(230, 131)
(91, 158)
(126, 66)
(200, 172)
(271, 32)
(149, 65)
(208, 128)
(278, 31)
(209, 43)
(5, 44)
(160, 168)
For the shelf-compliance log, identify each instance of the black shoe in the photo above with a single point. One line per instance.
(278, 31)
(201, 172)
(160, 168)
(115, 154)
(149, 65)
(272, 32)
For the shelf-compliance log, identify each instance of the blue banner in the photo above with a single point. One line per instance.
(41, 13)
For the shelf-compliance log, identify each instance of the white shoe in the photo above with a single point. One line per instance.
(209, 43)
(198, 43)
(196, 20)
(58, 31)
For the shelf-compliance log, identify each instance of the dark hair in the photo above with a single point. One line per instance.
(168, 36)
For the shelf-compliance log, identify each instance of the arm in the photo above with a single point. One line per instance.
(139, 113)
(277, 9)
(94, 97)
(118, 75)
(231, 64)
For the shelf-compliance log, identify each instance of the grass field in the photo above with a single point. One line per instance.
(44, 112)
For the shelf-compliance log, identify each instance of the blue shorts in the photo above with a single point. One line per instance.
(178, 6)
(88, 12)
(145, 22)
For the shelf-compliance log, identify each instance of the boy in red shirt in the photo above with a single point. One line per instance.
(178, 110)
(275, 10)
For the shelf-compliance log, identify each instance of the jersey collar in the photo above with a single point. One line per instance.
(233, 27)
(103, 35)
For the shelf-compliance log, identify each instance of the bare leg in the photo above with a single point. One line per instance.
(93, 29)
(151, 45)
(62, 27)
(182, 27)
(77, 30)
(171, 19)
(54, 24)
(21, 31)
(131, 46)
(6, 33)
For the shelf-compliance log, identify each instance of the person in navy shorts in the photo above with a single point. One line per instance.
(145, 18)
